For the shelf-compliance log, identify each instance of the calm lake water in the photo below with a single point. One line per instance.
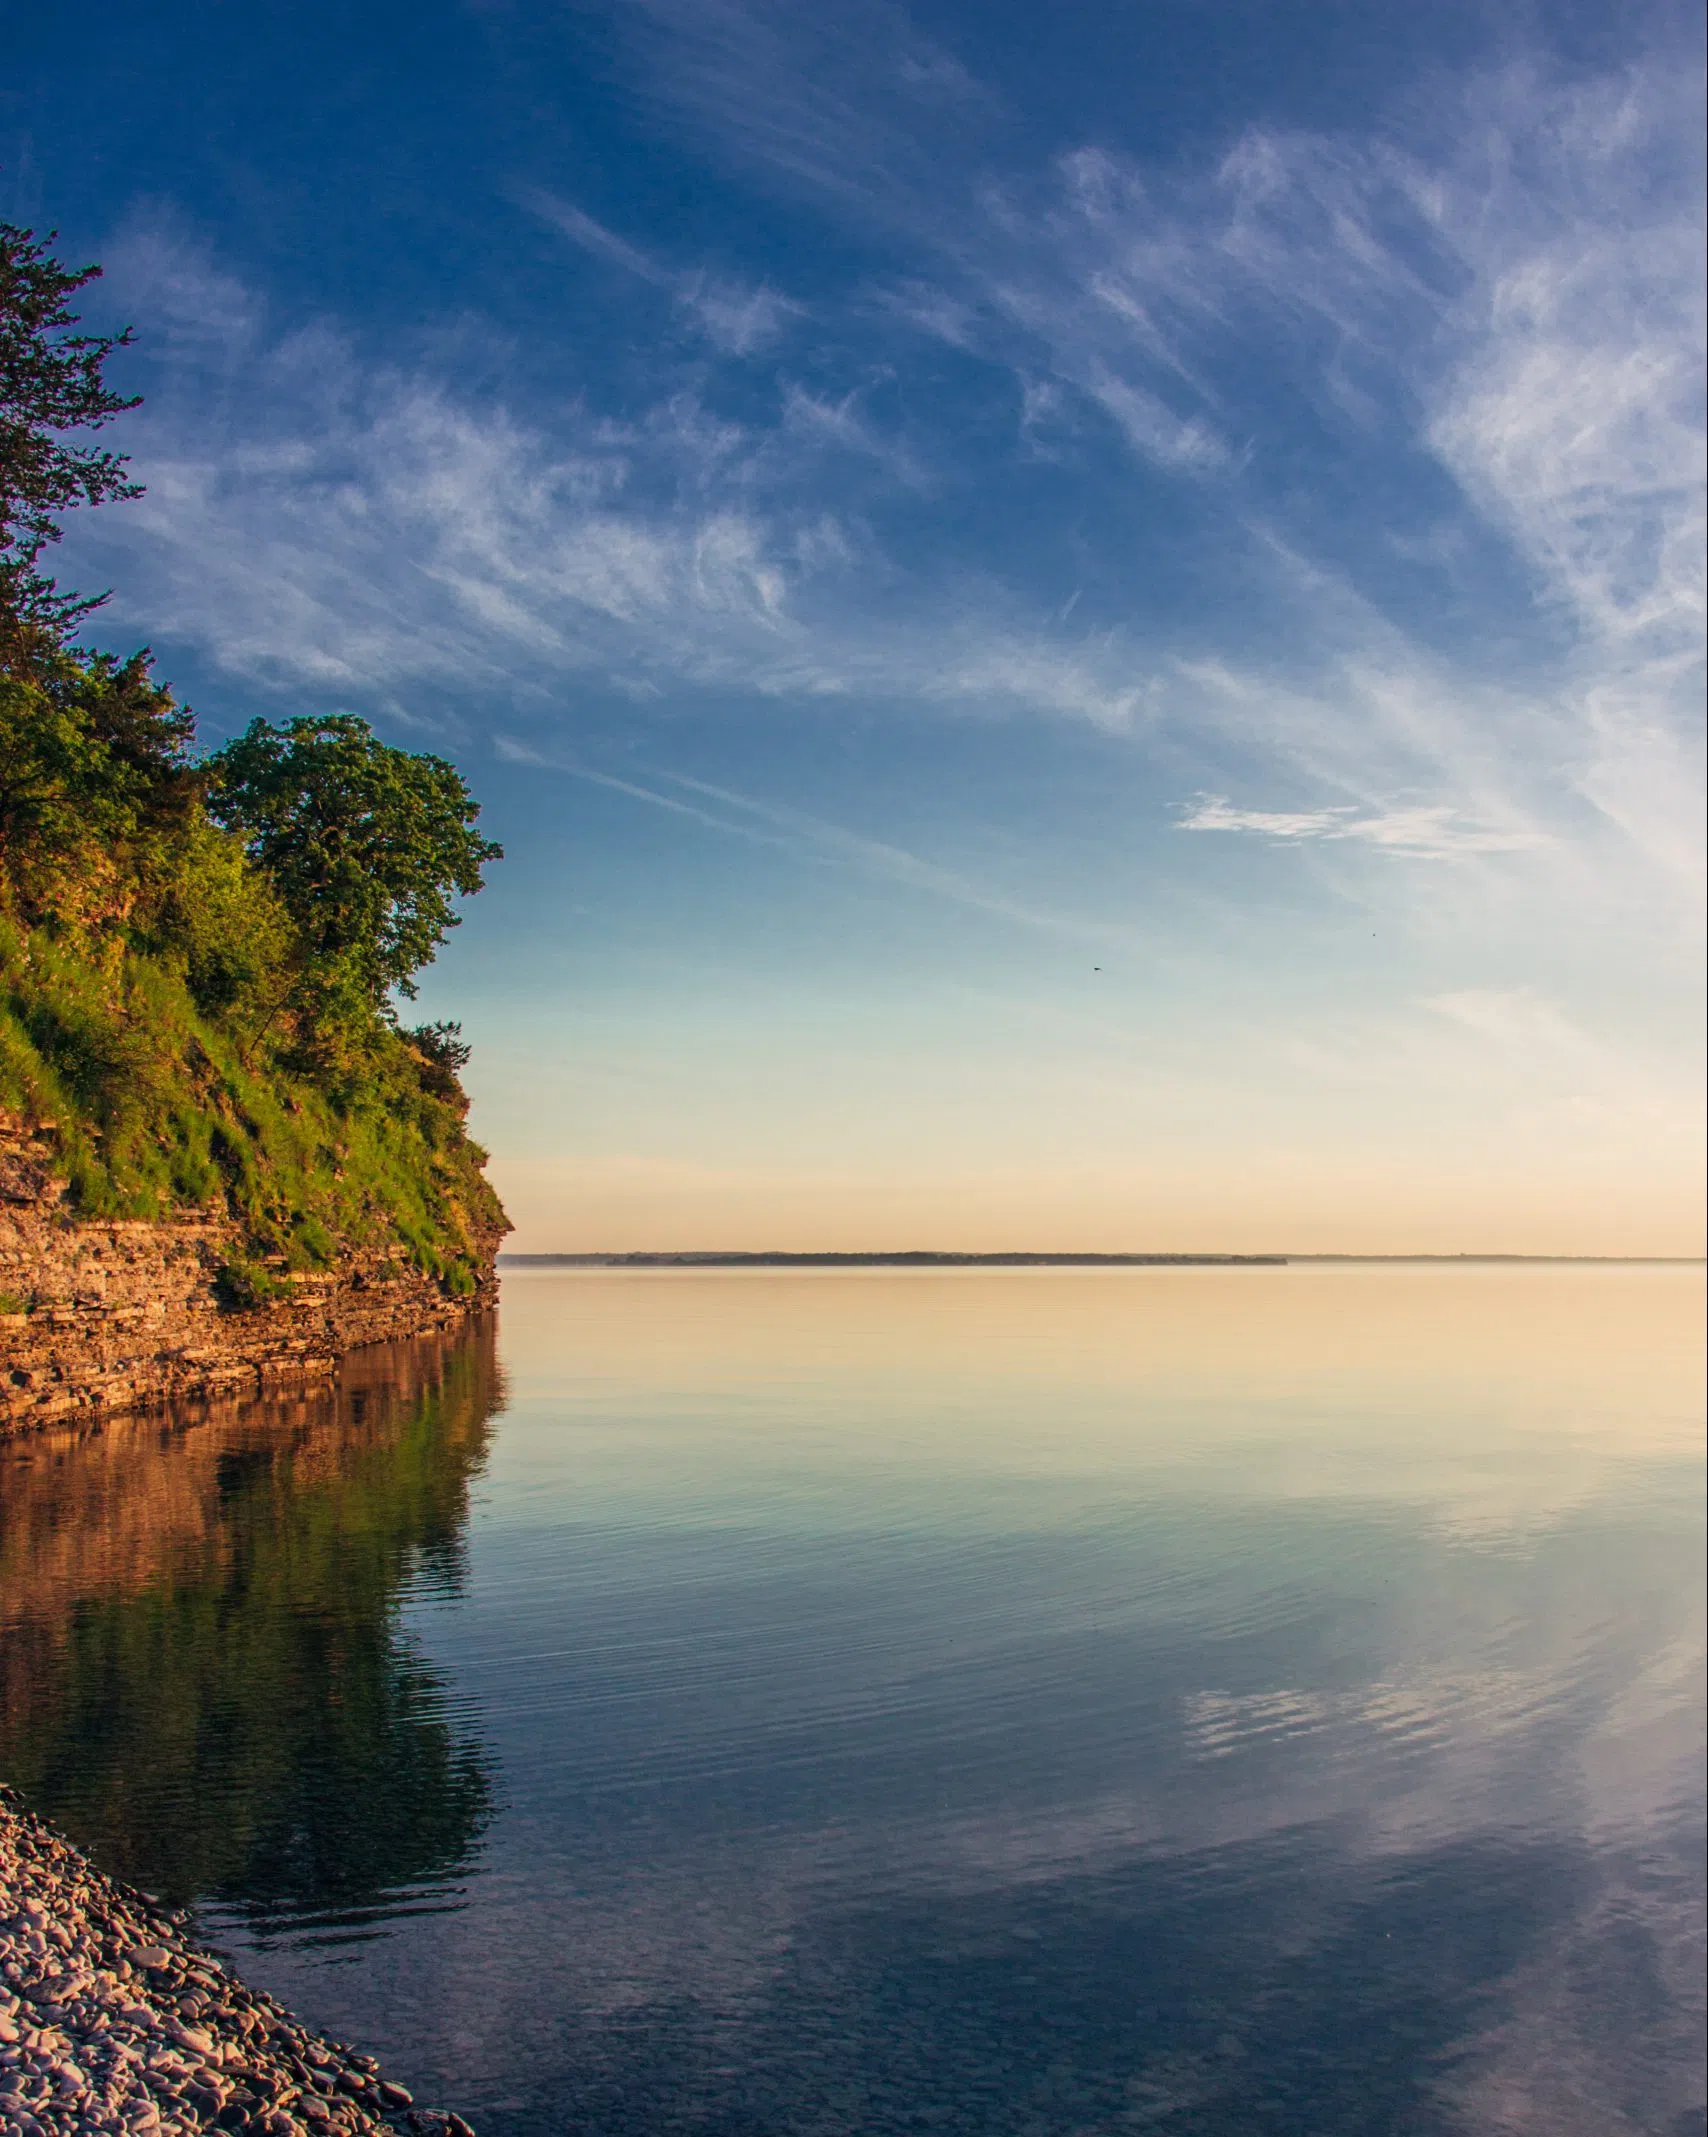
(1045, 1702)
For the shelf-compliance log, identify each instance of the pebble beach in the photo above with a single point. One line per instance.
(112, 2018)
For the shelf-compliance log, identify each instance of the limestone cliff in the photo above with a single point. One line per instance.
(106, 1315)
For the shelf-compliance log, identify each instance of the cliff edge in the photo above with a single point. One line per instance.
(105, 1315)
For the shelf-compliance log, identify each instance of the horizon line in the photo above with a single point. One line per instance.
(917, 1257)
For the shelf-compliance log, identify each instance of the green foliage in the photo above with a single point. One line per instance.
(160, 1001)
(442, 1044)
(365, 844)
(443, 1056)
(237, 1709)
(97, 790)
(162, 1107)
(242, 1286)
(51, 383)
(229, 927)
(197, 957)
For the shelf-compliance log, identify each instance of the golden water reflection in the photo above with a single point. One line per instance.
(204, 1675)
(1494, 1396)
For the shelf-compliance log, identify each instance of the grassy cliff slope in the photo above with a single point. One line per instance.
(189, 1035)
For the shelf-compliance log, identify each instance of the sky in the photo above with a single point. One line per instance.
(1082, 624)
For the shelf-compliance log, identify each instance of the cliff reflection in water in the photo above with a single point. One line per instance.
(204, 1676)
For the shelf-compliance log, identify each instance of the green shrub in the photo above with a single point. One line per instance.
(245, 1286)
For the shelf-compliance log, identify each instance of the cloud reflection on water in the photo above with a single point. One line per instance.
(1204, 1700)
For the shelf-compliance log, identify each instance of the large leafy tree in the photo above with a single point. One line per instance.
(366, 845)
(52, 386)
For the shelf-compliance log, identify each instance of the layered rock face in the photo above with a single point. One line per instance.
(109, 1316)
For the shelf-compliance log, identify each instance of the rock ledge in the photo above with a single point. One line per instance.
(103, 1316)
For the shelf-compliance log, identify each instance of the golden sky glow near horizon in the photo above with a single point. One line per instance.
(1269, 1206)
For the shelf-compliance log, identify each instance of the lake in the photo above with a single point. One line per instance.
(1035, 1702)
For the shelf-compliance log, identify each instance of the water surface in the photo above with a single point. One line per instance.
(1039, 1701)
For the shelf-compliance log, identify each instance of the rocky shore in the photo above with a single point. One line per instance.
(113, 2019)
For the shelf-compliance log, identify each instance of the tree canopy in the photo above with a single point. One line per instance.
(51, 382)
(94, 768)
(365, 844)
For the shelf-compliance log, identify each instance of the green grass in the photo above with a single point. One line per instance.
(162, 1109)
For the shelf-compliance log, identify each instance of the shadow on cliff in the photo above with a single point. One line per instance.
(205, 1674)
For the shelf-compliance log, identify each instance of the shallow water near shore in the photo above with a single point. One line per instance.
(1035, 1701)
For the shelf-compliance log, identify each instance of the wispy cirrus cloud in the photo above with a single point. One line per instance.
(855, 103)
(581, 229)
(1491, 297)
(748, 816)
(738, 318)
(1505, 292)
(309, 521)
(1492, 309)
(1431, 833)
(1517, 307)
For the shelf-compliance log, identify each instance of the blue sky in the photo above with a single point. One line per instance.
(1082, 624)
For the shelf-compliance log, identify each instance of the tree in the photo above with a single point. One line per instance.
(95, 775)
(365, 844)
(51, 382)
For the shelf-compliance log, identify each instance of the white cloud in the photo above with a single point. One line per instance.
(1151, 427)
(592, 236)
(1500, 285)
(1426, 832)
(1514, 1016)
(841, 424)
(853, 102)
(1572, 409)
(737, 318)
(1507, 285)
(366, 533)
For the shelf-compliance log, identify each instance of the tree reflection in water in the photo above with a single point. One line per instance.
(205, 1675)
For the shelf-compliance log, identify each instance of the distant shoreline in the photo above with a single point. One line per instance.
(913, 1259)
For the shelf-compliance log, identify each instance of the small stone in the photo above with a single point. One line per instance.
(396, 2095)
